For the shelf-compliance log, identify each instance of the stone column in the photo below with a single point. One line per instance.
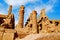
(42, 13)
(34, 21)
(21, 17)
(10, 10)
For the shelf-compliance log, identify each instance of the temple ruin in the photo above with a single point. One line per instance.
(8, 30)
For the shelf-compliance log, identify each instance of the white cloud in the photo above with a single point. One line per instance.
(18, 2)
(48, 6)
(39, 8)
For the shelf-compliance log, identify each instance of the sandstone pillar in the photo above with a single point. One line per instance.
(21, 17)
(34, 21)
(10, 10)
(42, 13)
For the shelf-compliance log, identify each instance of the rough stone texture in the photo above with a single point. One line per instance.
(10, 10)
(8, 36)
(1, 21)
(33, 25)
(13, 21)
(9, 20)
(7, 23)
(42, 36)
(21, 17)
(53, 36)
(10, 31)
(1, 35)
(2, 29)
(34, 21)
(29, 21)
(3, 16)
(42, 13)
(21, 33)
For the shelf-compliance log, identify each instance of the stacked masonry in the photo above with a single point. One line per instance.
(8, 31)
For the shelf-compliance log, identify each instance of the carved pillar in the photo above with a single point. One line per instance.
(21, 17)
(10, 10)
(42, 14)
(34, 21)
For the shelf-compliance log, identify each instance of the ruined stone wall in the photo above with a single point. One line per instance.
(46, 25)
(8, 31)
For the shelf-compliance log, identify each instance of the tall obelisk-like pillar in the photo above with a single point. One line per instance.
(42, 13)
(21, 17)
(34, 21)
(42, 16)
(10, 10)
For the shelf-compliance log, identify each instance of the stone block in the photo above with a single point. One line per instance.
(21, 33)
(1, 35)
(10, 31)
(2, 29)
(8, 36)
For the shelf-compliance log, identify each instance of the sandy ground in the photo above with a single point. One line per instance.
(42, 36)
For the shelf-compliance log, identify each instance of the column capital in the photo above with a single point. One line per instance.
(22, 7)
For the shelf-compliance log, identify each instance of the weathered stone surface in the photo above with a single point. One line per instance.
(8, 36)
(42, 13)
(2, 29)
(29, 21)
(52, 36)
(9, 22)
(3, 16)
(43, 25)
(21, 33)
(13, 21)
(1, 35)
(10, 31)
(10, 10)
(34, 21)
(1, 21)
(21, 17)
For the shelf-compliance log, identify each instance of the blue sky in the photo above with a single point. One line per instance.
(52, 7)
